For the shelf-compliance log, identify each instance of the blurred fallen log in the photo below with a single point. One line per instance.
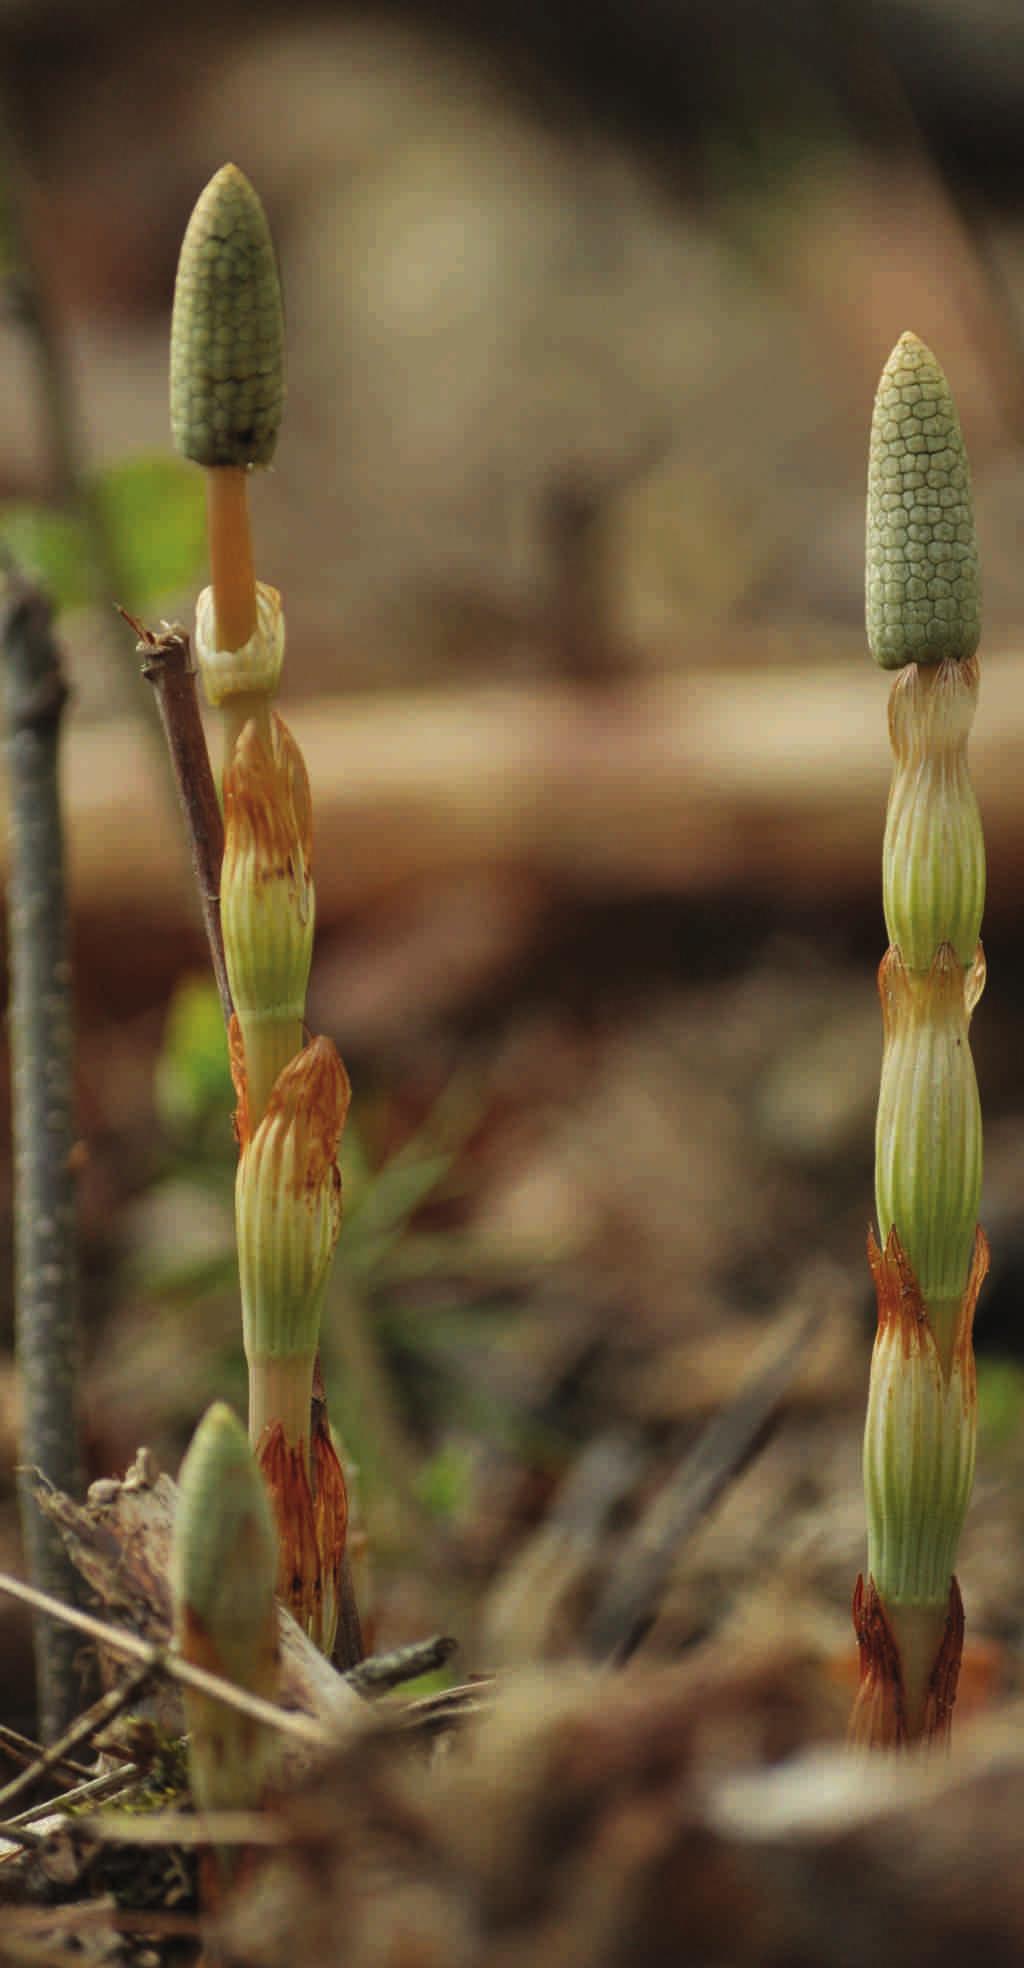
(656, 1817)
(696, 781)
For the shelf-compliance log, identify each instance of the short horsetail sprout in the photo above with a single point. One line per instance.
(930, 1258)
(288, 1215)
(223, 1572)
(227, 378)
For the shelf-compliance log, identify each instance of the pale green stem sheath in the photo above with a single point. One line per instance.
(919, 1446)
(280, 1390)
(288, 1208)
(240, 682)
(928, 1133)
(288, 1214)
(267, 900)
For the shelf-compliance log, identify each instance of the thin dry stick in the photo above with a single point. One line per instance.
(88, 1725)
(112, 1784)
(181, 1828)
(159, 1661)
(383, 1671)
(168, 667)
(434, 1714)
(83, 1915)
(46, 1259)
(23, 1835)
(22, 1749)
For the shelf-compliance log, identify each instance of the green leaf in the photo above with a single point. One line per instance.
(445, 1483)
(193, 1078)
(1000, 1401)
(152, 509)
(50, 548)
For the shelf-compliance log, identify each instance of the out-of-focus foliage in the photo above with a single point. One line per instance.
(195, 1097)
(417, 1303)
(151, 513)
(1000, 1401)
(193, 1081)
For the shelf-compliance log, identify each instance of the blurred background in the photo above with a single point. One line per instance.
(586, 309)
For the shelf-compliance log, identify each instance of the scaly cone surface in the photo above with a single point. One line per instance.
(227, 330)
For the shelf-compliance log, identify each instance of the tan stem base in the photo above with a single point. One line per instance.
(909, 1669)
(311, 1524)
(280, 1391)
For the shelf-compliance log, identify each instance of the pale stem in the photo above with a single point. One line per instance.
(944, 1320)
(236, 712)
(270, 1043)
(281, 1389)
(232, 574)
(918, 1632)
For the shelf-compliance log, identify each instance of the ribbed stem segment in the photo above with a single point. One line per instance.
(920, 1435)
(928, 1130)
(267, 900)
(933, 858)
(288, 1208)
(288, 1215)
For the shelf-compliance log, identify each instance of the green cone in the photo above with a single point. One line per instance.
(923, 584)
(227, 330)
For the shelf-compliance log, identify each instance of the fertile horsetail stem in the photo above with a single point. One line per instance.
(929, 1258)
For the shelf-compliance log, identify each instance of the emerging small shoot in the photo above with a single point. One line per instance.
(223, 1573)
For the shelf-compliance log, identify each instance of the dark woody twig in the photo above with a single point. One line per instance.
(168, 667)
(391, 1670)
(46, 1264)
(23, 1750)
